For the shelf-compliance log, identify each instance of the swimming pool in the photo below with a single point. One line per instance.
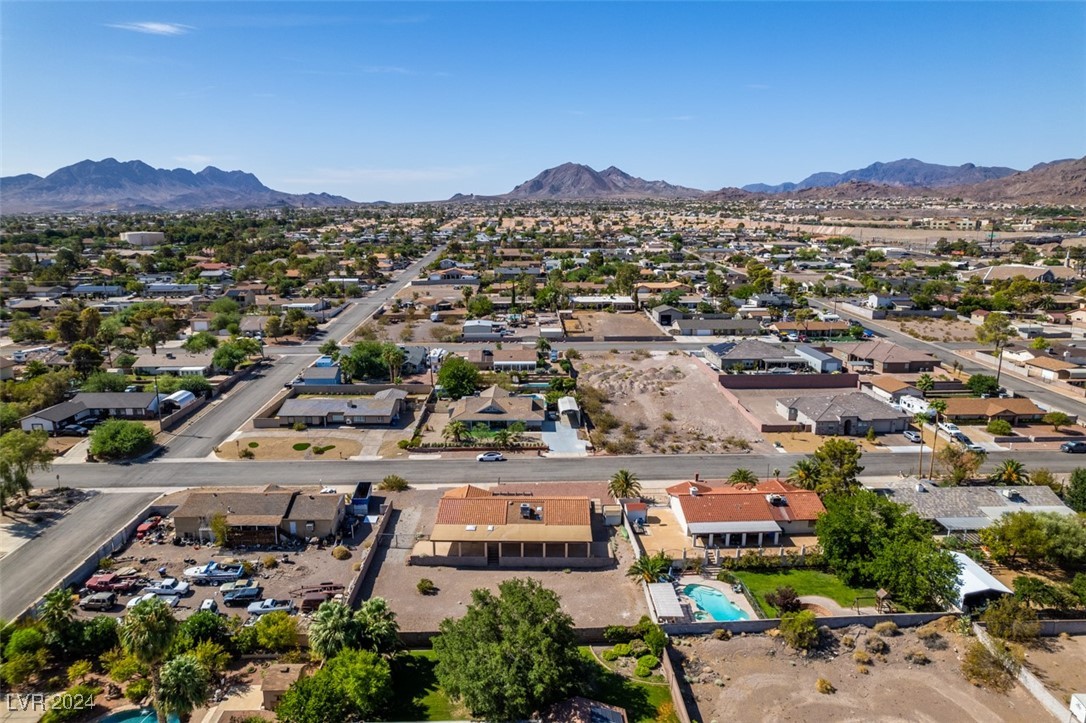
(713, 604)
(143, 715)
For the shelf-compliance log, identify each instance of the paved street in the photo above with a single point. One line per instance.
(32, 569)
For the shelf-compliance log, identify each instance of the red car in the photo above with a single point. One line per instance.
(150, 524)
(110, 583)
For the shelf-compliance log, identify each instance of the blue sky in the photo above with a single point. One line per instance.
(417, 101)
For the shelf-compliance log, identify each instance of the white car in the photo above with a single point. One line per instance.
(169, 586)
(269, 606)
(490, 457)
(948, 427)
(170, 600)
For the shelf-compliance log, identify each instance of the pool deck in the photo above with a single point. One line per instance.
(736, 599)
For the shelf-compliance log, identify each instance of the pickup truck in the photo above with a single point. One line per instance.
(236, 585)
(111, 583)
(168, 586)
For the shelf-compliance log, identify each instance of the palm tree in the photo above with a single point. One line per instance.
(1010, 472)
(804, 474)
(925, 383)
(147, 633)
(742, 476)
(515, 430)
(919, 420)
(183, 686)
(377, 628)
(624, 484)
(650, 568)
(939, 407)
(331, 630)
(57, 610)
(503, 437)
(455, 432)
(393, 357)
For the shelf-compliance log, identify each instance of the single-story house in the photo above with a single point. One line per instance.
(884, 357)
(175, 361)
(415, 359)
(665, 315)
(727, 515)
(1006, 272)
(582, 710)
(481, 330)
(604, 301)
(818, 360)
(514, 360)
(97, 405)
(497, 409)
(383, 408)
(7, 368)
(849, 414)
(1018, 410)
(752, 354)
(478, 527)
(253, 324)
(890, 389)
(811, 329)
(1050, 369)
(260, 517)
(700, 326)
(322, 375)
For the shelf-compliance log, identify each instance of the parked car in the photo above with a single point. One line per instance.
(974, 447)
(243, 596)
(99, 601)
(1073, 447)
(150, 524)
(131, 388)
(270, 605)
(209, 605)
(76, 429)
(913, 436)
(236, 585)
(949, 428)
(960, 437)
(168, 586)
(170, 600)
(110, 583)
(490, 457)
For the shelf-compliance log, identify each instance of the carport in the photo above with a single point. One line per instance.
(569, 411)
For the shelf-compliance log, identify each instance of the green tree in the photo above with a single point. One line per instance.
(650, 568)
(57, 611)
(146, 634)
(804, 474)
(742, 476)
(21, 454)
(1057, 420)
(959, 465)
(104, 382)
(925, 383)
(183, 686)
(983, 385)
(120, 439)
(393, 357)
(919, 574)
(838, 463)
(997, 330)
(332, 629)
(1010, 472)
(1014, 536)
(510, 655)
(228, 356)
(273, 327)
(85, 358)
(277, 631)
(354, 685)
(378, 630)
(1075, 497)
(330, 348)
(458, 377)
(480, 306)
(800, 630)
(624, 484)
(1012, 620)
(67, 325)
(90, 322)
(938, 407)
(200, 342)
(455, 432)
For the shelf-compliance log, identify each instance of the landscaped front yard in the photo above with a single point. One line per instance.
(804, 582)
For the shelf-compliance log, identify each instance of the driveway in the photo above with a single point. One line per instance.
(562, 439)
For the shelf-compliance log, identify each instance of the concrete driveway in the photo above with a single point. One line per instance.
(562, 439)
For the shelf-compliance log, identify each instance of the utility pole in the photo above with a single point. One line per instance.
(158, 403)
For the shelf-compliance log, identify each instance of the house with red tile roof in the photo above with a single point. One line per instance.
(476, 527)
(724, 515)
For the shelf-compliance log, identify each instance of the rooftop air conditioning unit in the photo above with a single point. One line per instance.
(693, 491)
(525, 511)
(1009, 494)
(920, 487)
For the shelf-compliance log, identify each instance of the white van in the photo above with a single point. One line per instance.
(915, 405)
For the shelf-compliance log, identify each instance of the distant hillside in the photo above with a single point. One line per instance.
(907, 172)
(575, 181)
(135, 186)
(1058, 182)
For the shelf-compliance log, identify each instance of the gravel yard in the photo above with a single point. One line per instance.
(1060, 663)
(601, 325)
(663, 402)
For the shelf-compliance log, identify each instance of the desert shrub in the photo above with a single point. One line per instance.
(341, 553)
(999, 426)
(799, 629)
(875, 644)
(107, 563)
(996, 671)
(622, 650)
(78, 670)
(623, 445)
(848, 641)
(246, 453)
(618, 634)
(426, 586)
(137, 690)
(645, 665)
(656, 639)
(393, 483)
(859, 656)
(916, 656)
(726, 576)
(270, 562)
(404, 443)
(254, 445)
(887, 627)
(325, 448)
(33, 505)
(609, 655)
(638, 648)
(863, 669)
(824, 687)
(785, 599)
(300, 446)
(931, 638)
(299, 427)
(722, 634)
(1012, 620)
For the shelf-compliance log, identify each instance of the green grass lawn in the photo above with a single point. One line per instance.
(805, 582)
(418, 697)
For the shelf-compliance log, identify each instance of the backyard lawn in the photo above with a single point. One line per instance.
(805, 582)
(418, 696)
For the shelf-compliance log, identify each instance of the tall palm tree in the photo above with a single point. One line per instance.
(804, 474)
(331, 629)
(919, 420)
(57, 611)
(455, 432)
(183, 686)
(925, 383)
(503, 437)
(1010, 472)
(624, 484)
(939, 407)
(147, 633)
(377, 627)
(742, 476)
(650, 567)
(393, 357)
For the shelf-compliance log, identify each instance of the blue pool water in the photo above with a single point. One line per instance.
(714, 603)
(143, 715)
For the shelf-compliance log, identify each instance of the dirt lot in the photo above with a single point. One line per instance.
(665, 402)
(263, 447)
(592, 597)
(601, 325)
(934, 329)
(294, 568)
(1060, 663)
(760, 678)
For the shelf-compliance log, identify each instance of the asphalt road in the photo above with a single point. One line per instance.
(199, 438)
(34, 568)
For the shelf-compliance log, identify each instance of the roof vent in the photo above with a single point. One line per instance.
(693, 491)
(776, 499)
(469, 528)
(920, 487)
(1009, 493)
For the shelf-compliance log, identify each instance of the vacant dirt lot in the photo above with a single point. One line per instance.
(1060, 663)
(664, 402)
(601, 325)
(757, 677)
(933, 329)
(263, 447)
(593, 597)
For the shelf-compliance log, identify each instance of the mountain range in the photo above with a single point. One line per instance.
(575, 181)
(905, 172)
(110, 185)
